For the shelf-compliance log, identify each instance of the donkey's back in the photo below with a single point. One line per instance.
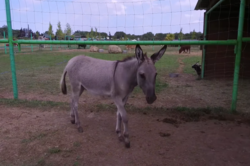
(88, 73)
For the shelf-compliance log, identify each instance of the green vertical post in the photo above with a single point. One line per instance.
(65, 39)
(50, 39)
(11, 50)
(204, 50)
(179, 45)
(31, 44)
(5, 49)
(153, 45)
(238, 55)
(19, 47)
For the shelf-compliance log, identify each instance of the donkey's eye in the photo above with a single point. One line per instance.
(142, 76)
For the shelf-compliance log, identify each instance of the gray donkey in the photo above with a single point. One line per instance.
(115, 79)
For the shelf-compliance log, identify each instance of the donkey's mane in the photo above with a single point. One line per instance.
(127, 58)
(131, 57)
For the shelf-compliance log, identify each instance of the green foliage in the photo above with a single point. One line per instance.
(54, 150)
(99, 36)
(59, 32)
(50, 31)
(96, 33)
(125, 37)
(91, 33)
(193, 35)
(119, 35)
(37, 33)
(160, 36)
(148, 36)
(68, 30)
(170, 37)
(31, 103)
(180, 36)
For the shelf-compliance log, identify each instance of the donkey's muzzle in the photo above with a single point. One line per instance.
(150, 100)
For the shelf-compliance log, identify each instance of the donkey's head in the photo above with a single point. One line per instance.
(146, 73)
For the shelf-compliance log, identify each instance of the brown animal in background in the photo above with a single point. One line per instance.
(184, 48)
(128, 47)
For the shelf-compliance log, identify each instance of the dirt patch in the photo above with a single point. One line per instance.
(181, 65)
(46, 137)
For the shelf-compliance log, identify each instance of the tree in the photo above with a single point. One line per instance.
(96, 34)
(160, 36)
(169, 37)
(148, 36)
(87, 36)
(99, 36)
(193, 35)
(119, 34)
(180, 36)
(68, 30)
(37, 33)
(50, 31)
(59, 32)
(125, 37)
(110, 36)
(91, 33)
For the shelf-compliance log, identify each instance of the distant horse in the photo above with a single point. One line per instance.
(115, 79)
(184, 48)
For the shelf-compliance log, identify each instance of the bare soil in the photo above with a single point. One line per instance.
(46, 137)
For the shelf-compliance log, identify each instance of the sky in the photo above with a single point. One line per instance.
(130, 16)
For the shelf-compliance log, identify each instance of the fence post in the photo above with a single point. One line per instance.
(204, 50)
(31, 44)
(238, 55)
(5, 49)
(11, 50)
(50, 44)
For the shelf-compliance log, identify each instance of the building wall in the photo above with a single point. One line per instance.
(223, 25)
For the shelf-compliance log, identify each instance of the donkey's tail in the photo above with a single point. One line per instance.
(63, 83)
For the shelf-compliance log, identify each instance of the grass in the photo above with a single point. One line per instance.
(54, 150)
(40, 71)
(32, 103)
(189, 62)
(33, 138)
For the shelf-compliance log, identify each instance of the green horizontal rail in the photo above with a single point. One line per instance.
(4, 41)
(213, 42)
(246, 39)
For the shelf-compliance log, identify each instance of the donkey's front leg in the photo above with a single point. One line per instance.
(123, 114)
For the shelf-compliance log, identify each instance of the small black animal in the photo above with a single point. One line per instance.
(197, 68)
(81, 45)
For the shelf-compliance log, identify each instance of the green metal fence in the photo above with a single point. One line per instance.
(237, 43)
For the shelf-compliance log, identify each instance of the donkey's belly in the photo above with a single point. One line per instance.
(101, 88)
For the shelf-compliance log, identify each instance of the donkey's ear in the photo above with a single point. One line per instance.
(156, 56)
(139, 53)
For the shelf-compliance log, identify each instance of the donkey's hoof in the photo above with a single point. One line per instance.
(121, 138)
(127, 144)
(72, 121)
(80, 130)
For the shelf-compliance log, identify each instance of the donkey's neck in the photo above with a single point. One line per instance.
(129, 69)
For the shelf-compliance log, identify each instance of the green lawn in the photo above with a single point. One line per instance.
(41, 70)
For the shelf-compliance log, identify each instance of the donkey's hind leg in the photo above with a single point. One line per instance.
(72, 113)
(76, 92)
(118, 125)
